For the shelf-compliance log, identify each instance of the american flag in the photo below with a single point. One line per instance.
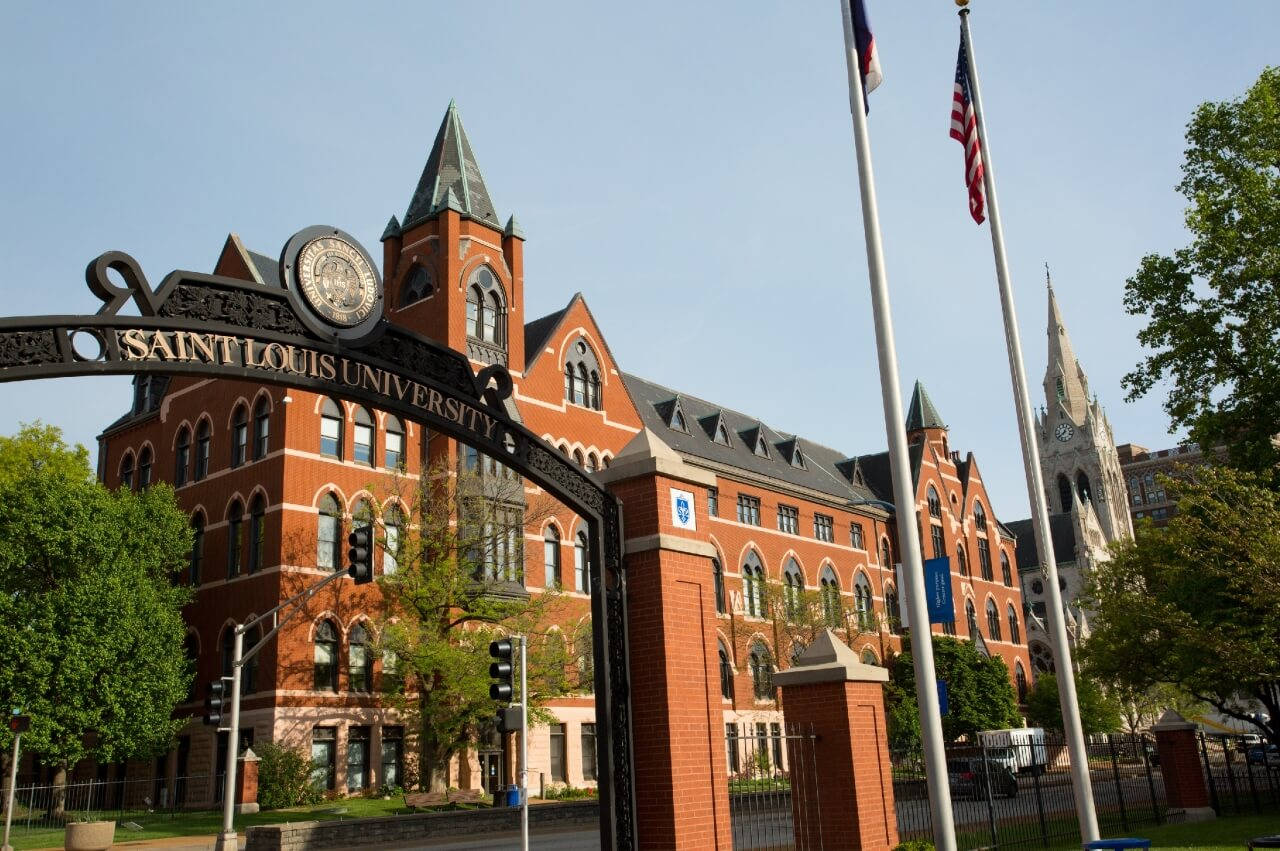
(964, 129)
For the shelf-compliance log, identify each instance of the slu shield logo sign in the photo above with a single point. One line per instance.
(682, 515)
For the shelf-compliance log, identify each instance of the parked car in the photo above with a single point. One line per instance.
(972, 776)
(1268, 755)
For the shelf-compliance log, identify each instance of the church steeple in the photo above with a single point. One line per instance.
(921, 413)
(1065, 383)
(451, 179)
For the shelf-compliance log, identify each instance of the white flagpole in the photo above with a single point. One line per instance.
(904, 497)
(1035, 485)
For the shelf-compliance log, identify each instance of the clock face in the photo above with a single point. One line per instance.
(1064, 432)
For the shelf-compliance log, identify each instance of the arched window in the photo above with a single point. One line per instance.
(1015, 631)
(792, 587)
(886, 559)
(331, 420)
(475, 299)
(569, 374)
(753, 585)
(1082, 485)
(249, 672)
(486, 310)
(417, 286)
(580, 385)
(392, 522)
(1020, 680)
(578, 459)
(197, 547)
(993, 621)
(1005, 573)
(1064, 491)
(257, 533)
(359, 665)
(868, 657)
(329, 533)
(761, 671)
(144, 467)
(182, 458)
(717, 575)
(726, 672)
(893, 609)
(584, 656)
(362, 448)
(261, 428)
(551, 556)
(832, 611)
(939, 543)
(326, 657)
(126, 471)
(1041, 657)
(971, 617)
(984, 558)
(582, 376)
(235, 535)
(493, 328)
(862, 602)
(935, 503)
(979, 515)
(962, 560)
(581, 575)
(593, 390)
(239, 435)
(393, 454)
(591, 465)
(202, 450)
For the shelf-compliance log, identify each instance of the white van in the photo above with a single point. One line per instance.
(1022, 749)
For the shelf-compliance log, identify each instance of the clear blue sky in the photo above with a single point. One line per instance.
(687, 166)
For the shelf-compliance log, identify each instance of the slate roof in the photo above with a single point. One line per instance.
(537, 331)
(1062, 531)
(921, 413)
(451, 168)
(824, 470)
(268, 268)
(878, 475)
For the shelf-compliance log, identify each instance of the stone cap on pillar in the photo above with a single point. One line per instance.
(829, 660)
(1172, 720)
(249, 756)
(648, 454)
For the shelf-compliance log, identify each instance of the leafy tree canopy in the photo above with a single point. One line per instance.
(1196, 604)
(91, 629)
(1213, 307)
(979, 694)
(1099, 713)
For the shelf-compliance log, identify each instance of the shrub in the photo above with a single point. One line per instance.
(914, 845)
(284, 778)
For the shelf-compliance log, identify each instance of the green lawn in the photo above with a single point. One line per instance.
(1224, 833)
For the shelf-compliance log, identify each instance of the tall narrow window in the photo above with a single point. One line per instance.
(392, 521)
(362, 449)
(394, 452)
(731, 748)
(551, 556)
(893, 609)
(324, 746)
(358, 758)
(144, 467)
(558, 755)
(392, 756)
(726, 673)
(863, 601)
(886, 559)
(235, 542)
(261, 428)
(126, 472)
(593, 390)
(331, 429)
(182, 458)
(971, 617)
(935, 535)
(584, 656)
(326, 656)
(329, 534)
(717, 575)
(962, 560)
(832, 611)
(492, 327)
(569, 373)
(753, 585)
(239, 435)
(1064, 492)
(475, 300)
(935, 503)
(713, 502)
(1020, 678)
(257, 533)
(249, 673)
(761, 672)
(360, 670)
(581, 573)
(979, 515)
(984, 558)
(589, 769)
(202, 450)
(792, 588)
(993, 621)
(1015, 629)
(1005, 573)
(855, 535)
(197, 547)
(580, 385)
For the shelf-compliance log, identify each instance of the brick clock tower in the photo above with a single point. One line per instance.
(1077, 450)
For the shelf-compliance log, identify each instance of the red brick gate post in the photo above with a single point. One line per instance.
(843, 699)
(681, 778)
(1184, 782)
(247, 783)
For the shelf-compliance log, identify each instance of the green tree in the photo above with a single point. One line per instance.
(1099, 713)
(1196, 604)
(979, 694)
(91, 629)
(458, 585)
(1213, 307)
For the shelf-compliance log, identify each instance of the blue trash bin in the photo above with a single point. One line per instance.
(513, 796)
(1124, 843)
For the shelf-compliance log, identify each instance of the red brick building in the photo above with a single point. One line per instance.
(273, 477)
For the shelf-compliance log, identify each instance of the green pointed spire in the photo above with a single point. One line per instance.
(921, 413)
(392, 229)
(451, 168)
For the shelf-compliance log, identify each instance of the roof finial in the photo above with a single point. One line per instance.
(1048, 283)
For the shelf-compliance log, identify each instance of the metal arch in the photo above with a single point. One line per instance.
(213, 326)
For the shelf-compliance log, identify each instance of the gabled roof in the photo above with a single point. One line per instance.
(1062, 532)
(268, 268)
(876, 470)
(537, 332)
(451, 178)
(921, 413)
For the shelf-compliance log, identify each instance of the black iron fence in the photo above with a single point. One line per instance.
(1015, 792)
(773, 801)
(1242, 772)
(44, 806)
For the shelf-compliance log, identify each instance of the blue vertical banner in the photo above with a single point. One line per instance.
(943, 706)
(937, 589)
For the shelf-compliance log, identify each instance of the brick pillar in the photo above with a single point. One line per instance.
(247, 782)
(681, 777)
(1184, 784)
(847, 801)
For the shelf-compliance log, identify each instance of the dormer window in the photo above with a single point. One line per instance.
(486, 308)
(761, 449)
(722, 434)
(582, 376)
(677, 420)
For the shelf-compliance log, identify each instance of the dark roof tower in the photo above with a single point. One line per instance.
(451, 170)
(921, 413)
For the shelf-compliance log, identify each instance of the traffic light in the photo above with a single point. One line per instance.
(19, 723)
(218, 701)
(509, 719)
(501, 671)
(360, 555)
